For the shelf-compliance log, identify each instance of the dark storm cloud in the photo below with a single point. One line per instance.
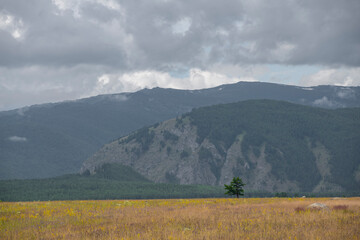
(141, 34)
(51, 50)
(283, 32)
(56, 39)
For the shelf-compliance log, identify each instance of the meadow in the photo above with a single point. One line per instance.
(220, 218)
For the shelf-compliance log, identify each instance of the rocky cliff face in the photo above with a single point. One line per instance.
(172, 151)
(164, 153)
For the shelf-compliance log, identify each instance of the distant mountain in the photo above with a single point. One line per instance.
(274, 146)
(54, 139)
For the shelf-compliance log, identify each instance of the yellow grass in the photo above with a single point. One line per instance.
(266, 218)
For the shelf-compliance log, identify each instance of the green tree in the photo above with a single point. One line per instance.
(235, 187)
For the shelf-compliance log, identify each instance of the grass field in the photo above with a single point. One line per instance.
(247, 218)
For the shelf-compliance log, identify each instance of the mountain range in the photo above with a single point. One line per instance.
(274, 146)
(54, 139)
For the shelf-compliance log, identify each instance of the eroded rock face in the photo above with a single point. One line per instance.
(270, 157)
(175, 155)
(323, 157)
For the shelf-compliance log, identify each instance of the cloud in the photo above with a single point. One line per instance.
(325, 102)
(27, 86)
(39, 84)
(119, 98)
(22, 111)
(12, 25)
(57, 36)
(129, 82)
(165, 34)
(181, 26)
(17, 139)
(333, 76)
(346, 93)
(53, 50)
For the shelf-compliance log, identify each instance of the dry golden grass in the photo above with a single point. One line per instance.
(266, 218)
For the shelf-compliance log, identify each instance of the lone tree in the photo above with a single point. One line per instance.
(235, 187)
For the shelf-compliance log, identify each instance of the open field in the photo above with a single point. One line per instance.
(247, 218)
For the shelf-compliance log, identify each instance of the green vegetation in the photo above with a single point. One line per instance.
(205, 154)
(281, 195)
(236, 187)
(288, 132)
(76, 187)
(143, 136)
(111, 181)
(171, 178)
(168, 150)
(184, 154)
(168, 136)
(118, 172)
(115, 181)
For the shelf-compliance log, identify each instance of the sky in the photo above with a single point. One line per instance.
(56, 50)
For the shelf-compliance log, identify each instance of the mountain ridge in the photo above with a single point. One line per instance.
(54, 139)
(272, 145)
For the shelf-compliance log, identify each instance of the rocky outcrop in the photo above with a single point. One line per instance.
(173, 154)
(274, 155)
(322, 157)
(318, 206)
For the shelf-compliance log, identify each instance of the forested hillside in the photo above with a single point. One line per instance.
(272, 145)
(110, 182)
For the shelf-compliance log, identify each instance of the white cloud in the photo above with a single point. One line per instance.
(17, 139)
(27, 86)
(22, 111)
(53, 50)
(325, 102)
(333, 76)
(103, 80)
(182, 26)
(129, 82)
(75, 5)
(206, 79)
(346, 93)
(61, 4)
(67, 5)
(111, 4)
(12, 25)
(119, 98)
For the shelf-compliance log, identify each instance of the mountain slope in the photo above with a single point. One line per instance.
(272, 145)
(54, 139)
